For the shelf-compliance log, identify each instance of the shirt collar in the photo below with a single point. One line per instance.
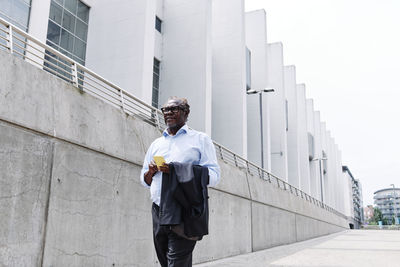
(182, 130)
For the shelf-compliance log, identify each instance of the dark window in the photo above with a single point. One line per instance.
(83, 12)
(324, 162)
(16, 11)
(71, 5)
(67, 32)
(310, 147)
(53, 33)
(287, 114)
(158, 24)
(68, 28)
(156, 83)
(81, 29)
(248, 69)
(67, 40)
(68, 21)
(56, 13)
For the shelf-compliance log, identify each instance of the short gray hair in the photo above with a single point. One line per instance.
(182, 102)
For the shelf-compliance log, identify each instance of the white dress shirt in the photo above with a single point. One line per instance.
(187, 146)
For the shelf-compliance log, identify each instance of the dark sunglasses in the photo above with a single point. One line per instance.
(174, 109)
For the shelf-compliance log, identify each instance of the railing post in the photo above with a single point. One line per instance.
(220, 152)
(10, 40)
(234, 157)
(74, 74)
(123, 102)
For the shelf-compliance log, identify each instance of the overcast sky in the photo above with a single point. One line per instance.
(348, 54)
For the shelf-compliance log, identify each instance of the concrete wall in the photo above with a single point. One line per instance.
(25, 173)
(71, 195)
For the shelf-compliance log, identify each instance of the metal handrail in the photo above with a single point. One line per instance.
(56, 63)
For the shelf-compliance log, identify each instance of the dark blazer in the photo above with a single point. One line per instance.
(184, 198)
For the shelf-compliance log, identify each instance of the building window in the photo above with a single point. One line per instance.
(324, 162)
(287, 115)
(248, 69)
(311, 148)
(68, 28)
(156, 83)
(158, 24)
(16, 12)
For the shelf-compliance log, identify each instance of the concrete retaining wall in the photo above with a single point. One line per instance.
(70, 192)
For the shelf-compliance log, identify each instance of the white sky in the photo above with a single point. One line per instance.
(348, 55)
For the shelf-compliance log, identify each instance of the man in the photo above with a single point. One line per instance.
(183, 145)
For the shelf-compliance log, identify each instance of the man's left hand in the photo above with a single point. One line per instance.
(164, 168)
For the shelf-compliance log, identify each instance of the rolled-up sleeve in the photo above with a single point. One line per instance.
(209, 159)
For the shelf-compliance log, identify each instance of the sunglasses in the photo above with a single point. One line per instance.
(174, 109)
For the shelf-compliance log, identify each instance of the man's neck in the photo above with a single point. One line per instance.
(173, 130)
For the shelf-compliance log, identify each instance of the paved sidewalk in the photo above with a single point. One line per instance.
(366, 248)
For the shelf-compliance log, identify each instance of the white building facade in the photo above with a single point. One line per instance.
(213, 53)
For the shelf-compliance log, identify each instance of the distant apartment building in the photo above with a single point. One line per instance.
(388, 201)
(353, 199)
(213, 53)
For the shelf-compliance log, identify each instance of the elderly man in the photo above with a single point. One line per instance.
(178, 144)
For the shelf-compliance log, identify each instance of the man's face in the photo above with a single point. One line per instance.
(174, 115)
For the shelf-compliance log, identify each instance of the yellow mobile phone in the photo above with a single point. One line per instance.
(159, 160)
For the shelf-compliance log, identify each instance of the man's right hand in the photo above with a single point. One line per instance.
(148, 176)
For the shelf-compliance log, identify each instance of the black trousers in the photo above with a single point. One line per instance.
(172, 250)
